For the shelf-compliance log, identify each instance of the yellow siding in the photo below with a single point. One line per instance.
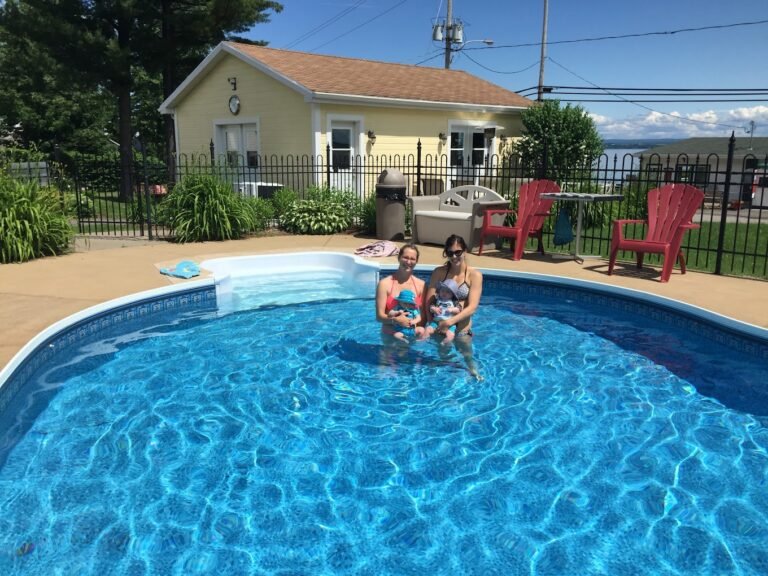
(398, 129)
(284, 117)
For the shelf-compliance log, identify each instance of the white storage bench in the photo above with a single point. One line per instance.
(455, 211)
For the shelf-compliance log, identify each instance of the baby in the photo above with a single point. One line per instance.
(445, 306)
(406, 305)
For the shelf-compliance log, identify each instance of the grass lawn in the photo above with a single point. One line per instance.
(745, 247)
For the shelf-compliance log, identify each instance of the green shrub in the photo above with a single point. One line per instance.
(84, 209)
(368, 214)
(32, 223)
(281, 201)
(202, 207)
(262, 213)
(316, 217)
(348, 199)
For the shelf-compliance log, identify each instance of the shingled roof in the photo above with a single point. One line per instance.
(319, 76)
(351, 76)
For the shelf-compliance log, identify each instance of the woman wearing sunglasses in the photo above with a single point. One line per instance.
(470, 283)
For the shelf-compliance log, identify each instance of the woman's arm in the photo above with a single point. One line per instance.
(381, 301)
(475, 291)
(429, 296)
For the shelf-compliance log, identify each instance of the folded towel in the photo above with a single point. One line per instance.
(184, 269)
(378, 249)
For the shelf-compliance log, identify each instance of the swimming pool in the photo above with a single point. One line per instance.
(607, 438)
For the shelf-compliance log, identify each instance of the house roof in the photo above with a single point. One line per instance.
(334, 78)
(706, 146)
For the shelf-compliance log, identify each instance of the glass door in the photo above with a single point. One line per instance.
(342, 155)
(467, 155)
(240, 144)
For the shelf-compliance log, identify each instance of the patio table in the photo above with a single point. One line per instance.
(581, 199)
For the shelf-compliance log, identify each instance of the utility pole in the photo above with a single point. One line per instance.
(751, 131)
(448, 34)
(540, 96)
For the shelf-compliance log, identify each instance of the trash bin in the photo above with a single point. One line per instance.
(390, 205)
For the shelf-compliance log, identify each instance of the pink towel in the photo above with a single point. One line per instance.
(378, 249)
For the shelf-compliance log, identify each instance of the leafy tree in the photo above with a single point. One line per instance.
(102, 44)
(45, 104)
(567, 136)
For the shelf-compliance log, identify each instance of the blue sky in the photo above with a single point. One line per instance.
(401, 31)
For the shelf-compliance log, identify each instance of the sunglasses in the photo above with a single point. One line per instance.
(454, 253)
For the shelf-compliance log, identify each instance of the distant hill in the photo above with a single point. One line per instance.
(639, 143)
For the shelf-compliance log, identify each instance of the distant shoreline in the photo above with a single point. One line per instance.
(636, 143)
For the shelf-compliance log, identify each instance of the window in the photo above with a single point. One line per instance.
(457, 149)
(240, 143)
(341, 146)
(696, 174)
(470, 144)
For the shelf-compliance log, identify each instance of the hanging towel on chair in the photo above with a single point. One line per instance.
(563, 229)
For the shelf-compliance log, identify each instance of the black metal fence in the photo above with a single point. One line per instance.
(732, 239)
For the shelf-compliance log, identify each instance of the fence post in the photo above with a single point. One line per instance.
(59, 176)
(328, 165)
(213, 153)
(724, 206)
(418, 167)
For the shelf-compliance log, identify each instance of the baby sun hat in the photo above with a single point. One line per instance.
(406, 296)
(451, 285)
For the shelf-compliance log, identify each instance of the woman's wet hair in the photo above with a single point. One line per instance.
(409, 246)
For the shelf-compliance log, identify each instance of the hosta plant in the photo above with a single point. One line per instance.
(316, 217)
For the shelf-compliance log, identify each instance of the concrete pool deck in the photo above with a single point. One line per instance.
(35, 294)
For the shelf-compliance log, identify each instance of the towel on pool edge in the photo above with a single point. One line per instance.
(378, 249)
(184, 269)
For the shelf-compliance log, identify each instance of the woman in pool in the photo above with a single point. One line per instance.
(391, 286)
(470, 287)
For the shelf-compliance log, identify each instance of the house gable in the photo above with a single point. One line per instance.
(320, 78)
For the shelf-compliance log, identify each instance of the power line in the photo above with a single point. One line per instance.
(325, 24)
(439, 52)
(621, 36)
(500, 71)
(379, 15)
(670, 100)
(681, 118)
(666, 89)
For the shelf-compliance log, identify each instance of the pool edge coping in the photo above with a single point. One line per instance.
(720, 321)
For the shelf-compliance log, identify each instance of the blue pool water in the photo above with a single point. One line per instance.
(286, 440)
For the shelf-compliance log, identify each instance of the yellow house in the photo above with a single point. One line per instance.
(251, 103)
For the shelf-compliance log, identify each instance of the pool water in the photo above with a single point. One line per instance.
(287, 440)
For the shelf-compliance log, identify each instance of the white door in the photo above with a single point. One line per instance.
(240, 146)
(343, 152)
(468, 154)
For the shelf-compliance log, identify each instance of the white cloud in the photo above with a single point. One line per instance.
(682, 125)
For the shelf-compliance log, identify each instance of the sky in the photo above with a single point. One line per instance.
(730, 56)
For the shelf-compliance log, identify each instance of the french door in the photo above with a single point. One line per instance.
(343, 153)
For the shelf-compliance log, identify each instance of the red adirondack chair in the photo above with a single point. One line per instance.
(670, 213)
(531, 212)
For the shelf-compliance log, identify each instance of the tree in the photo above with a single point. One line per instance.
(102, 44)
(566, 137)
(46, 105)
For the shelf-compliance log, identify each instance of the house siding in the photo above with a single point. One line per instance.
(398, 129)
(283, 115)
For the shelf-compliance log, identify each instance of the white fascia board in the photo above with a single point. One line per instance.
(216, 54)
(327, 98)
